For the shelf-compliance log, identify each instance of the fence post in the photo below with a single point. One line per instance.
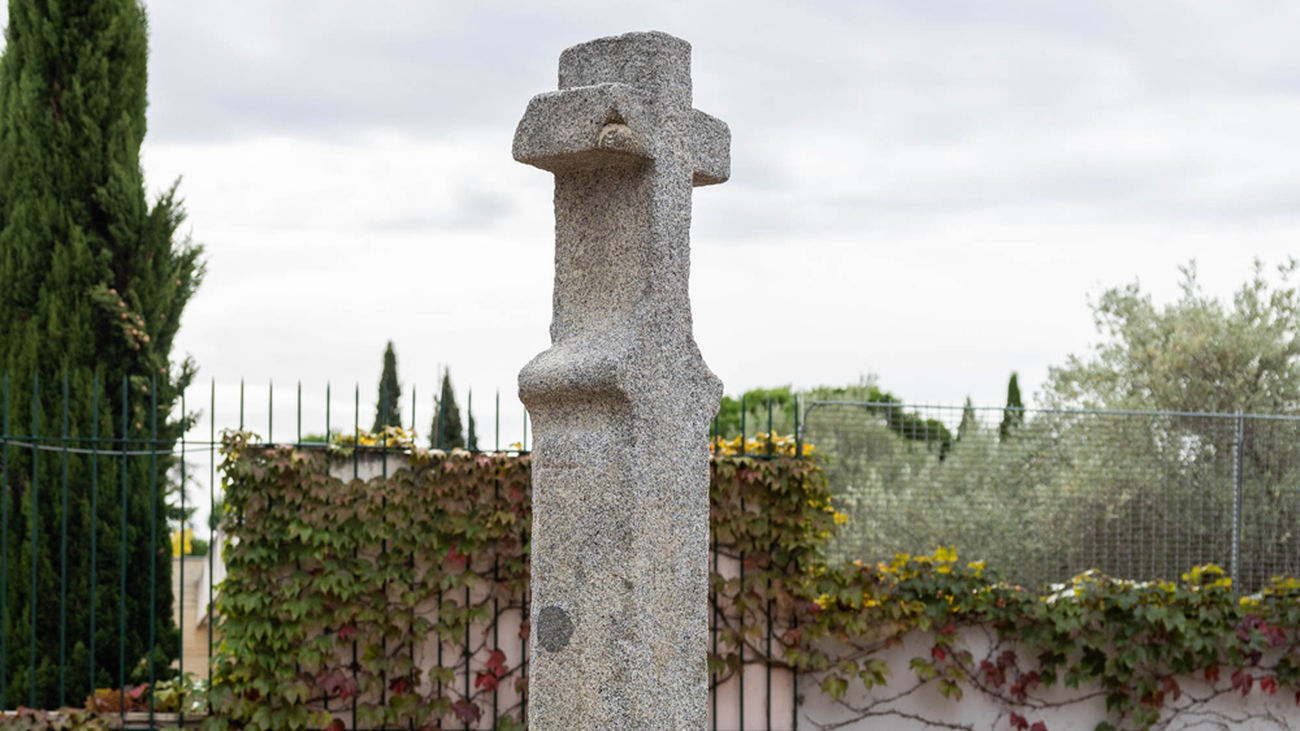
(798, 425)
(743, 446)
(1235, 560)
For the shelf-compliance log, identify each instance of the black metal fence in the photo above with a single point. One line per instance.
(89, 506)
(96, 483)
(1043, 495)
(82, 544)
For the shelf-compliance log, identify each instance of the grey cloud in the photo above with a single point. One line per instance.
(471, 209)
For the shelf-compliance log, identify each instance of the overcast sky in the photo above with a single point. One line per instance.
(927, 191)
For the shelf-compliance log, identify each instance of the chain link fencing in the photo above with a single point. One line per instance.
(1043, 495)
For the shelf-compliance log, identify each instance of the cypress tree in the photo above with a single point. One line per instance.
(968, 420)
(1013, 416)
(388, 407)
(93, 281)
(446, 432)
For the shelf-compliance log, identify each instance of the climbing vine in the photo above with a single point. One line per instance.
(338, 589)
(335, 584)
(1132, 641)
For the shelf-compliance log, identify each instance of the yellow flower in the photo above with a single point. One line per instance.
(945, 554)
(839, 518)
(823, 601)
(187, 536)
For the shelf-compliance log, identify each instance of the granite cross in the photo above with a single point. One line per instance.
(622, 400)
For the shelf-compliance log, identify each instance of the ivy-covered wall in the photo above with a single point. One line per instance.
(401, 599)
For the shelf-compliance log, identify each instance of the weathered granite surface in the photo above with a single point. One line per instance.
(622, 400)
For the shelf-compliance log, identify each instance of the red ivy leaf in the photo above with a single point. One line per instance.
(400, 685)
(456, 559)
(347, 632)
(337, 725)
(337, 682)
(1275, 634)
(1038, 726)
(993, 674)
(486, 681)
(497, 663)
(1212, 674)
(1243, 681)
(1170, 687)
(523, 630)
(1268, 684)
(937, 653)
(1018, 721)
(466, 711)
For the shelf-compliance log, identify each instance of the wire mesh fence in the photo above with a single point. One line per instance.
(1043, 495)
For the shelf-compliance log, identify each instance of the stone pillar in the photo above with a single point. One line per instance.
(622, 400)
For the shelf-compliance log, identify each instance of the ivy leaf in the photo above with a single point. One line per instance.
(834, 686)
(497, 663)
(1170, 687)
(487, 681)
(401, 685)
(1242, 680)
(923, 669)
(466, 711)
(338, 683)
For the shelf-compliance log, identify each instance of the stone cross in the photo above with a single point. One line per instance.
(622, 400)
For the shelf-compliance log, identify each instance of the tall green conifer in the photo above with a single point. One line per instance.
(447, 430)
(388, 408)
(93, 281)
(969, 422)
(1013, 416)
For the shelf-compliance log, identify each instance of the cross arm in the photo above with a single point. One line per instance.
(583, 127)
(710, 149)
